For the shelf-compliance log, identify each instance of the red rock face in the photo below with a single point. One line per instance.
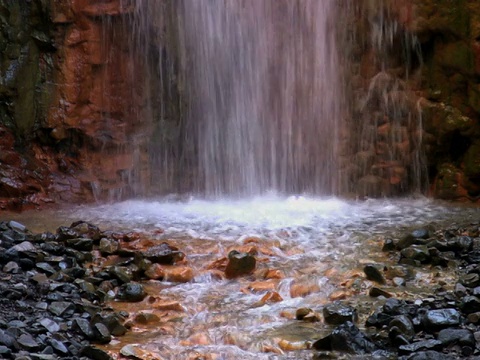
(98, 94)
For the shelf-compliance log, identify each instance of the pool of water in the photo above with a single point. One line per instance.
(315, 246)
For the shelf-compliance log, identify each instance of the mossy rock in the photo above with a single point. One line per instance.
(456, 56)
(471, 162)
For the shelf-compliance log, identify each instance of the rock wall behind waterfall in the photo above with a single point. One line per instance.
(71, 120)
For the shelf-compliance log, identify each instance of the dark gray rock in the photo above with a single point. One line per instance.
(121, 273)
(59, 346)
(373, 272)
(132, 292)
(83, 326)
(5, 352)
(108, 246)
(337, 313)
(16, 226)
(163, 254)
(50, 325)
(101, 334)
(7, 339)
(80, 244)
(61, 308)
(46, 268)
(417, 253)
(27, 342)
(421, 346)
(470, 304)
(348, 338)
(376, 292)
(462, 337)
(401, 325)
(469, 280)
(442, 318)
(93, 353)
(429, 355)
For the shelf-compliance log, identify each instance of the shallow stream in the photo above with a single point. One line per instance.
(309, 251)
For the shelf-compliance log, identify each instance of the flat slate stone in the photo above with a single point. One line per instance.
(50, 325)
(27, 342)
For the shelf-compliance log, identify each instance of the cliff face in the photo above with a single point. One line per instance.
(74, 100)
(449, 34)
(70, 110)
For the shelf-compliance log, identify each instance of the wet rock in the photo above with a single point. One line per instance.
(80, 244)
(59, 346)
(302, 312)
(337, 313)
(239, 264)
(50, 325)
(346, 338)
(441, 318)
(113, 322)
(421, 346)
(155, 272)
(180, 274)
(462, 337)
(16, 226)
(121, 273)
(61, 308)
(108, 246)
(46, 268)
(420, 233)
(131, 351)
(374, 273)
(164, 254)
(101, 334)
(401, 325)
(5, 352)
(7, 339)
(94, 353)
(132, 292)
(83, 326)
(376, 292)
(146, 317)
(388, 245)
(87, 230)
(27, 342)
(469, 280)
(429, 355)
(470, 304)
(416, 252)
(11, 267)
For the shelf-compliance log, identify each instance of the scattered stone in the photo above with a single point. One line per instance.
(337, 313)
(50, 325)
(27, 342)
(376, 292)
(239, 264)
(164, 254)
(132, 292)
(373, 273)
(462, 337)
(442, 318)
(346, 338)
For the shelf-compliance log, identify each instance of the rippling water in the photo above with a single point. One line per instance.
(317, 243)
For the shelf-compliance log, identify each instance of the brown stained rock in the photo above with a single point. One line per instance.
(239, 264)
(155, 272)
(180, 274)
(271, 297)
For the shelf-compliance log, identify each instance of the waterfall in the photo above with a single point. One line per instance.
(260, 95)
(247, 97)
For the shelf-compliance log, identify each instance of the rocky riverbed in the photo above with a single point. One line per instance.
(83, 293)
